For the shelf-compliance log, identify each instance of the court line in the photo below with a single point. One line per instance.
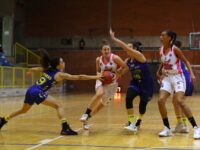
(46, 141)
(109, 146)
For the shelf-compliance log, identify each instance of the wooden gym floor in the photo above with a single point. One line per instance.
(39, 128)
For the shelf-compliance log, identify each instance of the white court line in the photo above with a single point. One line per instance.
(46, 141)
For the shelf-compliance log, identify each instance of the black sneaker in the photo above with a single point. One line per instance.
(68, 131)
(2, 122)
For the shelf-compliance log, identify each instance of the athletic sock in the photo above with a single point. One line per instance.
(131, 118)
(192, 121)
(88, 111)
(184, 119)
(179, 119)
(64, 123)
(6, 118)
(166, 122)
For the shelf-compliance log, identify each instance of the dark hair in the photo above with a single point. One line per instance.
(54, 62)
(137, 45)
(178, 44)
(173, 35)
(47, 62)
(105, 42)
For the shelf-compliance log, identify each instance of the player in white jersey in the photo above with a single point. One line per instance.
(104, 93)
(172, 81)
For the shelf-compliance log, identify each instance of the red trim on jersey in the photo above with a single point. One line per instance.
(105, 61)
(167, 52)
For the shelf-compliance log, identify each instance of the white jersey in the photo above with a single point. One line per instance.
(108, 66)
(170, 61)
(109, 89)
(174, 81)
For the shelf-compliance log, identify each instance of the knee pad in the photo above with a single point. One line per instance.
(129, 102)
(130, 95)
(142, 107)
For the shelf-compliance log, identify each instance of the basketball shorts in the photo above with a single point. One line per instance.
(35, 95)
(109, 91)
(173, 83)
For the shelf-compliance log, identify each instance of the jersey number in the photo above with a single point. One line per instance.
(41, 81)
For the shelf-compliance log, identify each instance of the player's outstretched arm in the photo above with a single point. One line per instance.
(66, 76)
(35, 69)
(131, 52)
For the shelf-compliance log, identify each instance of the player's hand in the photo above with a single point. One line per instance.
(63, 67)
(100, 76)
(28, 73)
(112, 34)
(160, 78)
(115, 76)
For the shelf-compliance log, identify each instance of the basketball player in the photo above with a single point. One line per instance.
(37, 93)
(172, 81)
(181, 126)
(104, 93)
(141, 84)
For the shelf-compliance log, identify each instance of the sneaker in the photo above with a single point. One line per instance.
(68, 131)
(185, 129)
(86, 126)
(137, 123)
(196, 133)
(165, 132)
(131, 127)
(2, 122)
(127, 124)
(180, 128)
(84, 117)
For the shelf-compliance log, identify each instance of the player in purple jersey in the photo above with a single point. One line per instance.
(52, 74)
(141, 84)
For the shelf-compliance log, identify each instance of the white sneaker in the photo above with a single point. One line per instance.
(196, 133)
(84, 118)
(180, 128)
(185, 129)
(86, 126)
(129, 123)
(165, 132)
(131, 127)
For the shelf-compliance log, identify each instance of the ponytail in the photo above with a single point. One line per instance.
(173, 36)
(45, 59)
(54, 62)
(47, 62)
(178, 44)
(137, 45)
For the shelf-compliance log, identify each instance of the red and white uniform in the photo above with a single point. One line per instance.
(174, 81)
(107, 66)
(109, 89)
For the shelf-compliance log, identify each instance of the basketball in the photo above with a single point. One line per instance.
(108, 77)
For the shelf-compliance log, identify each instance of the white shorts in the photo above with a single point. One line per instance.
(173, 83)
(109, 91)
